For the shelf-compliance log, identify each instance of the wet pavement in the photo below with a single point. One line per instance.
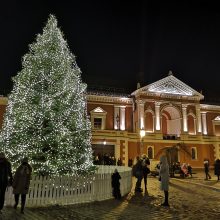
(189, 198)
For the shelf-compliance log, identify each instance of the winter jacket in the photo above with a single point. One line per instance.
(115, 180)
(22, 178)
(217, 167)
(164, 173)
(5, 172)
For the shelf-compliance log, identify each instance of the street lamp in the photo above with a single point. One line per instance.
(142, 134)
(103, 158)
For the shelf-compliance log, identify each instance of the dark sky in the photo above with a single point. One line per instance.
(119, 43)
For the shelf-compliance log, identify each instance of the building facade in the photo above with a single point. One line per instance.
(163, 117)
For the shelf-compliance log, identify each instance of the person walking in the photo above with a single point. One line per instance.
(5, 177)
(206, 169)
(138, 173)
(21, 183)
(164, 178)
(116, 184)
(217, 168)
(189, 168)
(146, 170)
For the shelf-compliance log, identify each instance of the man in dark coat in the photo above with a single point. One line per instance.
(146, 170)
(217, 168)
(138, 173)
(5, 177)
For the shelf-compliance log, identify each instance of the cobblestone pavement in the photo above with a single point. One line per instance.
(190, 198)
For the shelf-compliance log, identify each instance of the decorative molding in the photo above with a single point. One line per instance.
(169, 87)
(140, 102)
(98, 110)
(217, 118)
(209, 107)
(123, 100)
(149, 108)
(184, 106)
(157, 104)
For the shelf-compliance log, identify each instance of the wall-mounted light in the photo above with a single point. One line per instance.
(104, 142)
(142, 133)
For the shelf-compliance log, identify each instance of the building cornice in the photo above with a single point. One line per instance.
(98, 98)
(210, 107)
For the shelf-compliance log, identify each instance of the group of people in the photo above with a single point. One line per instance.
(20, 181)
(106, 160)
(141, 170)
(184, 169)
(216, 169)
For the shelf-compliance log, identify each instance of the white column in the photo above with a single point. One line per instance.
(204, 123)
(126, 153)
(141, 114)
(117, 149)
(116, 114)
(184, 111)
(198, 118)
(157, 112)
(122, 118)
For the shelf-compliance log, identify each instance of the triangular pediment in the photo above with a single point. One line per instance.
(98, 110)
(217, 118)
(169, 85)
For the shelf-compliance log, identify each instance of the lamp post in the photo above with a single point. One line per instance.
(103, 158)
(142, 134)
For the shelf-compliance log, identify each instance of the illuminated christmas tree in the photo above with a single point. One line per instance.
(46, 117)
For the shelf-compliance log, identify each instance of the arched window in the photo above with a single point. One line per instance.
(191, 121)
(194, 153)
(150, 153)
(149, 120)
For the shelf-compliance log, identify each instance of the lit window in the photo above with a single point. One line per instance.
(98, 118)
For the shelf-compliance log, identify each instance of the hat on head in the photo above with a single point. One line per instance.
(2, 155)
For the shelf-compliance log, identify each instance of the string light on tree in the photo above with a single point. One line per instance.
(46, 117)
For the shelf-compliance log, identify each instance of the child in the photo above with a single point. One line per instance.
(116, 184)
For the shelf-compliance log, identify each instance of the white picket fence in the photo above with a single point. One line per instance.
(65, 190)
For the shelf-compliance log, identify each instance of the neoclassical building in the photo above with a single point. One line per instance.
(163, 117)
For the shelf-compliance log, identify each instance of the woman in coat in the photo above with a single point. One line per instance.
(116, 184)
(217, 168)
(164, 178)
(21, 183)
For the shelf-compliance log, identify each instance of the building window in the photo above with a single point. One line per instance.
(194, 153)
(150, 153)
(98, 118)
(97, 123)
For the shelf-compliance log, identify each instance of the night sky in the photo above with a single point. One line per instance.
(119, 43)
